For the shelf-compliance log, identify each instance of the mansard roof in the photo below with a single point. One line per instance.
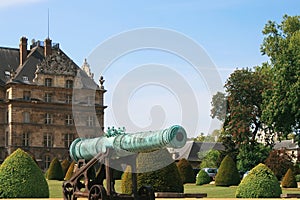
(57, 63)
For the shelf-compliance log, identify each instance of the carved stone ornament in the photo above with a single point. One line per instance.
(57, 64)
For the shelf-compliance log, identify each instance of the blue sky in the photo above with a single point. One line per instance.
(229, 31)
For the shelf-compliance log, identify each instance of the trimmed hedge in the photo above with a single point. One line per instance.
(70, 171)
(259, 183)
(228, 174)
(186, 171)
(152, 171)
(20, 177)
(289, 180)
(158, 170)
(65, 166)
(127, 181)
(55, 171)
(202, 178)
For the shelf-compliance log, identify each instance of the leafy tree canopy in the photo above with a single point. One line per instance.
(282, 101)
(210, 159)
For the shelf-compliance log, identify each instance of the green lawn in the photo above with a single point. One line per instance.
(212, 191)
(55, 188)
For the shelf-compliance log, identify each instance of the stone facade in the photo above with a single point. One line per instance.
(46, 101)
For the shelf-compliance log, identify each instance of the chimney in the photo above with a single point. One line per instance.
(23, 50)
(47, 47)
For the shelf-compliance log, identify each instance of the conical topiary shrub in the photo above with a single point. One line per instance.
(55, 171)
(289, 180)
(127, 181)
(186, 171)
(70, 171)
(259, 183)
(165, 179)
(65, 166)
(20, 177)
(202, 178)
(227, 173)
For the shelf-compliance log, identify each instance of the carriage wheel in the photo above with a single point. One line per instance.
(147, 191)
(97, 192)
(68, 191)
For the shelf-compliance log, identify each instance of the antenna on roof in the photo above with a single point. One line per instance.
(48, 23)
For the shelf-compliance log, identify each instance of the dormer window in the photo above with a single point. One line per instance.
(69, 84)
(7, 74)
(48, 82)
(25, 79)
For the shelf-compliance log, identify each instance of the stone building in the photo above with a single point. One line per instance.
(46, 101)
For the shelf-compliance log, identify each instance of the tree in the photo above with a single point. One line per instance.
(219, 106)
(20, 177)
(65, 166)
(186, 171)
(227, 174)
(210, 159)
(289, 180)
(279, 162)
(55, 171)
(244, 100)
(242, 121)
(244, 97)
(250, 157)
(158, 170)
(126, 183)
(281, 102)
(259, 183)
(70, 171)
(202, 178)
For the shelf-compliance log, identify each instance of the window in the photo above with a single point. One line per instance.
(47, 161)
(69, 137)
(25, 140)
(7, 74)
(48, 140)
(90, 121)
(69, 84)
(48, 118)
(26, 117)
(26, 95)
(69, 120)
(48, 97)
(48, 82)
(68, 98)
(25, 79)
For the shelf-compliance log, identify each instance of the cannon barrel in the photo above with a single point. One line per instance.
(127, 144)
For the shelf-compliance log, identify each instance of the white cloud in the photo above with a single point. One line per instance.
(13, 3)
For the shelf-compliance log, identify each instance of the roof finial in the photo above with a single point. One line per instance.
(101, 82)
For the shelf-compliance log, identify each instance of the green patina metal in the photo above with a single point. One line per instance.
(126, 144)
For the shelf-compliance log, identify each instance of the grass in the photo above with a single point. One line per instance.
(55, 188)
(212, 191)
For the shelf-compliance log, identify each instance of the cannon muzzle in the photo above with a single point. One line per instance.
(127, 144)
